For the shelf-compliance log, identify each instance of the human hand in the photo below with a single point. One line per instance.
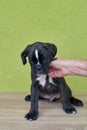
(63, 67)
(57, 69)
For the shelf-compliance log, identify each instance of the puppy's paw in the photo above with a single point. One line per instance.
(76, 102)
(31, 116)
(28, 98)
(70, 109)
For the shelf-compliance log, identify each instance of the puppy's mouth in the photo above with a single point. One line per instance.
(38, 73)
(43, 70)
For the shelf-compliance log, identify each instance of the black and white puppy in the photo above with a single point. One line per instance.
(40, 56)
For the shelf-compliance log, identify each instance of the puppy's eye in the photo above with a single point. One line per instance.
(41, 57)
(34, 59)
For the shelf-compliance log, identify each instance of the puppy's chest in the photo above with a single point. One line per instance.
(45, 82)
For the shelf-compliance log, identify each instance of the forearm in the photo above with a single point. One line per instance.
(76, 67)
(63, 67)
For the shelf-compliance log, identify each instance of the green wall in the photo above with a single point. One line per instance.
(22, 22)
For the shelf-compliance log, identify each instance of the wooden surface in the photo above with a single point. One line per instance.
(51, 115)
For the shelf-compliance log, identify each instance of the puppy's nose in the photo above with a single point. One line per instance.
(38, 66)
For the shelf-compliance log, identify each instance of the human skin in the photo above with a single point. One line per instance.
(64, 67)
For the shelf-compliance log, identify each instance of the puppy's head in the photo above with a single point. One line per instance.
(40, 55)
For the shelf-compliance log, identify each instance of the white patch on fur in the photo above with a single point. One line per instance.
(42, 79)
(74, 112)
(37, 56)
(50, 80)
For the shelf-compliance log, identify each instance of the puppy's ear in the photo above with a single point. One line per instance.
(52, 49)
(24, 54)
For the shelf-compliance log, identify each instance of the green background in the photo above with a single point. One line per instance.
(22, 22)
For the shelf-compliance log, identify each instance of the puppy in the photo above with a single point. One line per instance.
(40, 56)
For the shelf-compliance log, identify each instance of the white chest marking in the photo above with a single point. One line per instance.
(51, 81)
(37, 56)
(42, 79)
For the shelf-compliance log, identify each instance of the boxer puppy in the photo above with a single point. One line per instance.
(40, 56)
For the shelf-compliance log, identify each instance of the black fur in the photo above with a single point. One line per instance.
(46, 52)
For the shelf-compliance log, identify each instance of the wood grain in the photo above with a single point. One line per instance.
(51, 115)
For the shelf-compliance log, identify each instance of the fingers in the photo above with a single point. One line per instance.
(55, 73)
(56, 69)
(57, 64)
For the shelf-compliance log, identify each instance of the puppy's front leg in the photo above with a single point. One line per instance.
(33, 113)
(68, 108)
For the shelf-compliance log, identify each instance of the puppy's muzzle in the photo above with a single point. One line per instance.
(38, 67)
